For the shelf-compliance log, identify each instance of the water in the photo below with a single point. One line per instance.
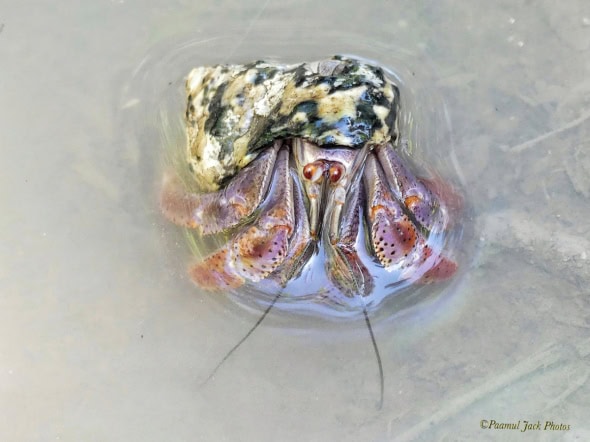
(104, 337)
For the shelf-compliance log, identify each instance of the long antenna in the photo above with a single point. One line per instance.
(241, 341)
(377, 355)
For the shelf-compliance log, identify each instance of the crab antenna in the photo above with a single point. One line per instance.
(241, 341)
(377, 356)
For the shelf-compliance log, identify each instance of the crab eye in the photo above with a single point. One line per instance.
(314, 171)
(308, 171)
(335, 172)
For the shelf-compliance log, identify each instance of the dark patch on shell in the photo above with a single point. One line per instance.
(234, 111)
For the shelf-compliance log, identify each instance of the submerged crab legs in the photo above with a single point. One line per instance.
(400, 233)
(405, 219)
(295, 194)
(259, 249)
(276, 239)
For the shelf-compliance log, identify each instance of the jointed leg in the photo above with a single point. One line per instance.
(215, 212)
(301, 244)
(259, 249)
(398, 244)
(343, 265)
(410, 190)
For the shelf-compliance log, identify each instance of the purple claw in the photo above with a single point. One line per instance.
(260, 249)
(396, 241)
(410, 190)
(398, 244)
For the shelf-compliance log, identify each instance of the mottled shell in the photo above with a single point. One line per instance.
(234, 111)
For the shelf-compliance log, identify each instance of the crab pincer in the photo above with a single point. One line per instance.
(411, 191)
(259, 249)
(395, 239)
(400, 242)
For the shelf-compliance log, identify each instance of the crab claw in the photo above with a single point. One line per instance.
(411, 191)
(395, 239)
(259, 249)
(258, 252)
(398, 244)
(217, 211)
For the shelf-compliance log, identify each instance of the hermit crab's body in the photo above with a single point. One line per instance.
(290, 157)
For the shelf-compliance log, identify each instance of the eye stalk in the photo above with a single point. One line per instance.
(325, 175)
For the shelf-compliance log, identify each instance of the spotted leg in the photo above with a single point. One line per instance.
(411, 191)
(217, 211)
(343, 265)
(396, 241)
(259, 249)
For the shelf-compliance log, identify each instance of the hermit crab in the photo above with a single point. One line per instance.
(292, 161)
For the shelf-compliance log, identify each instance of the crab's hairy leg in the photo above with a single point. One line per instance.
(262, 247)
(217, 211)
(343, 265)
(411, 191)
(301, 244)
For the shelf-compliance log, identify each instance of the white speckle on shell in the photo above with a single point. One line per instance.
(234, 111)
(268, 101)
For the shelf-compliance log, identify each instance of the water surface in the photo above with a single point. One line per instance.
(104, 337)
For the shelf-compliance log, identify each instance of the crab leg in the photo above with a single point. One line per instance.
(217, 211)
(259, 249)
(414, 194)
(343, 265)
(397, 243)
(215, 272)
(395, 240)
(301, 244)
